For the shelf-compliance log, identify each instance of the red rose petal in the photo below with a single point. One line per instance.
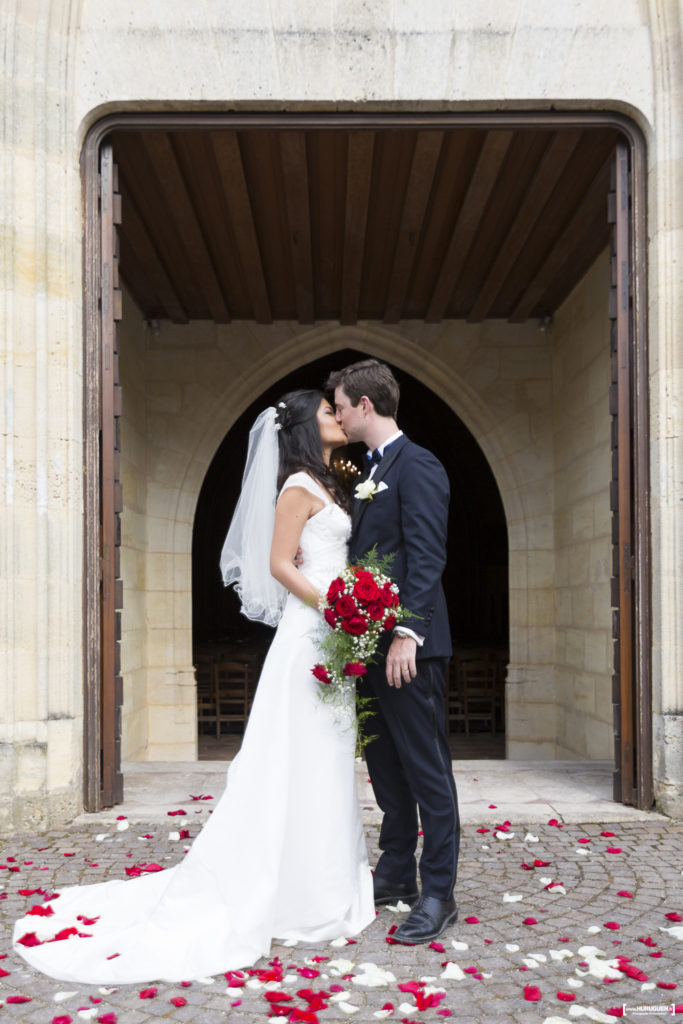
(666, 984)
(18, 999)
(483, 830)
(615, 1011)
(279, 997)
(62, 1020)
(566, 997)
(148, 993)
(178, 1001)
(472, 920)
(532, 993)
(107, 1018)
(614, 849)
(673, 916)
(437, 946)
(30, 939)
(40, 910)
(583, 839)
(529, 920)
(607, 833)
(613, 925)
(493, 807)
(628, 895)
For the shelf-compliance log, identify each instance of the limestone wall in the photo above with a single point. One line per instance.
(67, 62)
(582, 471)
(134, 523)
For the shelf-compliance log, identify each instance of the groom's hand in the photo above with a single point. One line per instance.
(401, 667)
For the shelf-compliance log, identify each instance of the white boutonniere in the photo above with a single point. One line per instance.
(367, 489)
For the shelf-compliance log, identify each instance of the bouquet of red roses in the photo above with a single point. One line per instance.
(361, 604)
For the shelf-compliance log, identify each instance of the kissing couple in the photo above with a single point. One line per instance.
(283, 856)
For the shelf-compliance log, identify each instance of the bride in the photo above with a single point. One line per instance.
(283, 854)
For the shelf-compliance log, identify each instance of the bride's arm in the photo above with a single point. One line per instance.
(294, 507)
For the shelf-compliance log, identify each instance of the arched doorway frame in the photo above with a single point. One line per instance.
(638, 648)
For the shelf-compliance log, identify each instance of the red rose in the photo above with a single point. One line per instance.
(355, 625)
(355, 668)
(387, 596)
(336, 589)
(363, 574)
(345, 606)
(366, 590)
(330, 617)
(375, 611)
(321, 673)
(389, 622)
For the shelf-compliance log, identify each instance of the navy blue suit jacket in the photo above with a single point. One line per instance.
(410, 520)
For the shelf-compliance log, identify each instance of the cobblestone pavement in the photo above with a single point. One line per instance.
(541, 911)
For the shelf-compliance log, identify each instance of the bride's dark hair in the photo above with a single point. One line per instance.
(299, 445)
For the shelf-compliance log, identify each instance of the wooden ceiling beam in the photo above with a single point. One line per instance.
(422, 170)
(482, 183)
(295, 175)
(358, 181)
(230, 168)
(174, 189)
(537, 195)
(148, 256)
(564, 246)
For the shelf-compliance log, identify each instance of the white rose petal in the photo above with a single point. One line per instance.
(528, 838)
(255, 983)
(382, 1014)
(453, 972)
(348, 1007)
(373, 976)
(405, 1008)
(512, 897)
(591, 1013)
(205, 981)
(504, 835)
(561, 954)
(647, 986)
(343, 966)
(540, 958)
(582, 851)
(88, 1014)
(459, 945)
(341, 941)
(545, 881)
(174, 837)
(398, 908)
(234, 993)
(594, 929)
(512, 947)
(428, 978)
(295, 942)
(528, 962)
(555, 1020)
(676, 931)
(575, 982)
(121, 826)
(59, 997)
(101, 837)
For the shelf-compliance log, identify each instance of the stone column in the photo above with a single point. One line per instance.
(41, 500)
(666, 408)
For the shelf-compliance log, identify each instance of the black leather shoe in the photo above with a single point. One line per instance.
(427, 920)
(392, 892)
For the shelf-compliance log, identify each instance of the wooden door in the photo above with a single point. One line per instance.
(628, 501)
(103, 783)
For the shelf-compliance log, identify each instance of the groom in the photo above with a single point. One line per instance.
(405, 514)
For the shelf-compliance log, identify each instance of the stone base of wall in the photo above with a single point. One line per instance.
(667, 742)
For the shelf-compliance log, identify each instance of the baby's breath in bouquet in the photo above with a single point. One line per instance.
(361, 604)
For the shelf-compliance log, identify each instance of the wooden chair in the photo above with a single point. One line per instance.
(455, 698)
(231, 690)
(479, 692)
(206, 693)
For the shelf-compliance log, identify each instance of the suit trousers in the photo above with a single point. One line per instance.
(410, 767)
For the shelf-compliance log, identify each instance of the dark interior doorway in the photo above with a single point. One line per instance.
(476, 578)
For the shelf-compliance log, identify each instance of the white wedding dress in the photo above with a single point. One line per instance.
(282, 856)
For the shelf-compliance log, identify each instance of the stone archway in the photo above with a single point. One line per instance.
(194, 410)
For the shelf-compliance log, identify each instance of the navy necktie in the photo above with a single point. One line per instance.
(375, 456)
